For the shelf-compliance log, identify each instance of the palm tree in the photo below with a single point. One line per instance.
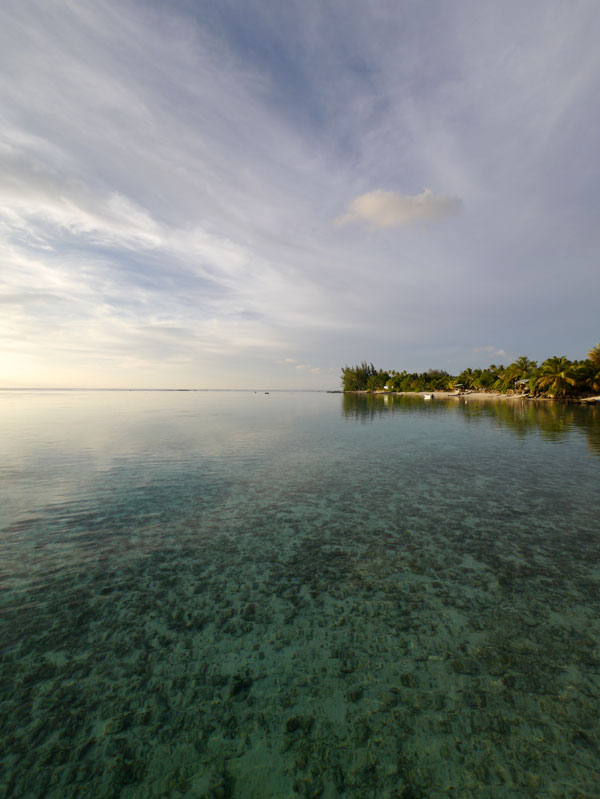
(521, 369)
(556, 376)
(465, 378)
(524, 366)
(587, 376)
(594, 355)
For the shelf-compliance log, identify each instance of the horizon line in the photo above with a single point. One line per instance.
(110, 388)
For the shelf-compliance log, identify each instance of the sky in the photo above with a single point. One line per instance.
(253, 194)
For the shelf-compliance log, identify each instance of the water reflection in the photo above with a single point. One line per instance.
(364, 407)
(551, 420)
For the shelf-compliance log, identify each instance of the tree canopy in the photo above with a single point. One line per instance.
(557, 376)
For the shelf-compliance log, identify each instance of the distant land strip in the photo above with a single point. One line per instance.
(556, 377)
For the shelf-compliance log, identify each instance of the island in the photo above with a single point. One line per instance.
(555, 378)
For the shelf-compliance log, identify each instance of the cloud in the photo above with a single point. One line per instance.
(169, 176)
(307, 367)
(490, 351)
(385, 209)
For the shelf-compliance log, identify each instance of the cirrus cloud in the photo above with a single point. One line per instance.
(490, 351)
(388, 209)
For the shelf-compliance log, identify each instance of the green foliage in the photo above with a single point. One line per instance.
(374, 383)
(363, 377)
(557, 377)
(356, 378)
(521, 369)
(594, 356)
(465, 378)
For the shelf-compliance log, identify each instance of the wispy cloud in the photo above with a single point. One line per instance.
(170, 176)
(307, 367)
(388, 209)
(490, 350)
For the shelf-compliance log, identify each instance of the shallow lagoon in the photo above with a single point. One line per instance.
(229, 594)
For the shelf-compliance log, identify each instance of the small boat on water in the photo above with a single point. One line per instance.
(427, 396)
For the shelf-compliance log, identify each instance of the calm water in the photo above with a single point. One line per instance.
(298, 595)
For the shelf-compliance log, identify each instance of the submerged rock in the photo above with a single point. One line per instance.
(240, 683)
(296, 723)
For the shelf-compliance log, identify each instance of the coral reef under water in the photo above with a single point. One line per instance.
(298, 630)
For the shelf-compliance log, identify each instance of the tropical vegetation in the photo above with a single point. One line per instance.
(555, 377)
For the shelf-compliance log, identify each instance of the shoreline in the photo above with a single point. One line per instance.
(478, 395)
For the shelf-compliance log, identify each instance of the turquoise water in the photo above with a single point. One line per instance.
(230, 594)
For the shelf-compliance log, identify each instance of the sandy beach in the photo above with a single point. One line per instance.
(478, 395)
